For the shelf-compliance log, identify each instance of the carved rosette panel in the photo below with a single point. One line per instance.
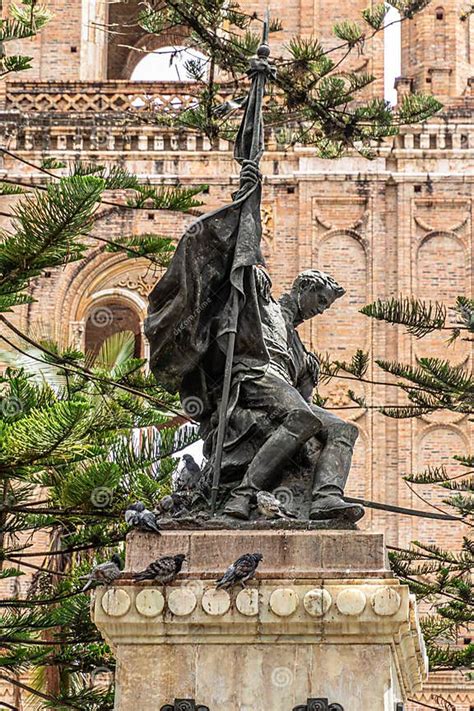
(318, 705)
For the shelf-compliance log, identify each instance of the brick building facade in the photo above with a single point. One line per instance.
(401, 223)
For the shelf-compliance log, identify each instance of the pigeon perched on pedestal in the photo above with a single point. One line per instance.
(140, 517)
(173, 505)
(105, 573)
(271, 507)
(164, 570)
(239, 572)
(190, 474)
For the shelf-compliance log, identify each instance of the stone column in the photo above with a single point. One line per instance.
(323, 626)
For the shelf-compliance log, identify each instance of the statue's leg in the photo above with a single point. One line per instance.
(332, 469)
(297, 427)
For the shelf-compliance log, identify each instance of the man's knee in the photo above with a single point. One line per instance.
(302, 423)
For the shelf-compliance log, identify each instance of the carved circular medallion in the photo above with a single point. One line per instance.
(149, 602)
(247, 602)
(116, 602)
(317, 602)
(284, 601)
(215, 602)
(385, 601)
(182, 601)
(351, 602)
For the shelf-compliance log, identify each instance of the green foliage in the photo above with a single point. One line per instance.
(375, 15)
(85, 447)
(315, 98)
(45, 230)
(442, 577)
(25, 20)
(419, 317)
(350, 32)
(358, 365)
(166, 197)
(157, 249)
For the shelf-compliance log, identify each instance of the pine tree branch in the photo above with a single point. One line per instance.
(45, 171)
(80, 370)
(73, 549)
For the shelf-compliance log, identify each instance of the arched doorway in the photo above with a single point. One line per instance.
(110, 316)
(169, 64)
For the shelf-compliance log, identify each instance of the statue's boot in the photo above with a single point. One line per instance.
(265, 467)
(331, 475)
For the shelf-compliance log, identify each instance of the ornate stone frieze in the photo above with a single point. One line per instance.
(319, 705)
(184, 705)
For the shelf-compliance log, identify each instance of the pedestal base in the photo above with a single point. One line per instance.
(324, 620)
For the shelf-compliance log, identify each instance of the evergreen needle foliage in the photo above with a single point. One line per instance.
(314, 99)
(439, 576)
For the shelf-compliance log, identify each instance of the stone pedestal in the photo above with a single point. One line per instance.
(323, 626)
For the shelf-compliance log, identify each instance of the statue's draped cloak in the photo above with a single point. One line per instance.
(209, 290)
(191, 309)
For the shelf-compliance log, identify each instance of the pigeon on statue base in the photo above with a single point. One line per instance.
(164, 570)
(140, 517)
(271, 507)
(104, 573)
(241, 571)
(190, 475)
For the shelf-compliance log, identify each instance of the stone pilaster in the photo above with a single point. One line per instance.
(324, 621)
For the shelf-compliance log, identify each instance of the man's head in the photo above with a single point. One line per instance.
(315, 291)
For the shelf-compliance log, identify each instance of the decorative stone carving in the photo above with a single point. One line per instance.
(284, 601)
(184, 705)
(351, 602)
(139, 284)
(116, 602)
(247, 602)
(191, 637)
(182, 602)
(319, 705)
(317, 602)
(149, 602)
(385, 602)
(215, 602)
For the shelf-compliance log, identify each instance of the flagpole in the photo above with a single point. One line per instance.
(255, 155)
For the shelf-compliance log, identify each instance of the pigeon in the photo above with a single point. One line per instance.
(190, 474)
(164, 570)
(239, 572)
(271, 507)
(105, 573)
(173, 505)
(140, 517)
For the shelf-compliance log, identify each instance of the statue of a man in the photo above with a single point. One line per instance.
(283, 393)
(233, 353)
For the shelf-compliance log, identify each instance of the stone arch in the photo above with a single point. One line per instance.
(436, 445)
(441, 275)
(112, 311)
(343, 254)
(124, 50)
(104, 281)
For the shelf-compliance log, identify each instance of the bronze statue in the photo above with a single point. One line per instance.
(233, 353)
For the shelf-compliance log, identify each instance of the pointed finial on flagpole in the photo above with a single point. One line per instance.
(264, 50)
